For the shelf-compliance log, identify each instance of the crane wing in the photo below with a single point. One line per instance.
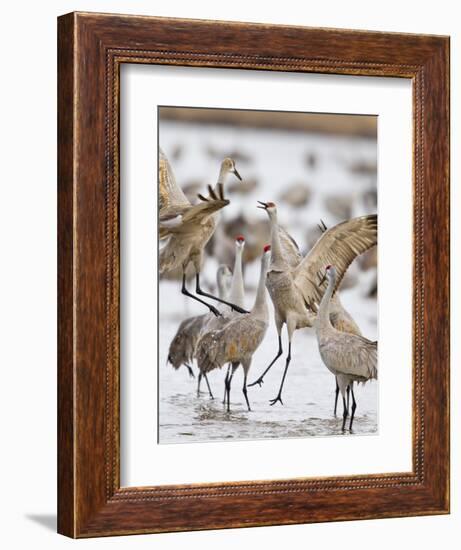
(170, 194)
(176, 220)
(182, 347)
(290, 248)
(338, 246)
(202, 211)
(359, 356)
(239, 338)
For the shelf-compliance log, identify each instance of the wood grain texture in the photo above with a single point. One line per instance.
(66, 471)
(91, 49)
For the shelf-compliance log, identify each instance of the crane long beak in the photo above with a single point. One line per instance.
(263, 205)
(237, 174)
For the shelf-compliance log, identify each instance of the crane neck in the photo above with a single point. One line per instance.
(237, 292)
(335, 304)
(260, 308)
(223, 173)
(277, 259)
(323, 319)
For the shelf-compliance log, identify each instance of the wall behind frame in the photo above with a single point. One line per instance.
(28, 271)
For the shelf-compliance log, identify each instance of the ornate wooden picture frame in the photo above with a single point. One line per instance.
(92, 48)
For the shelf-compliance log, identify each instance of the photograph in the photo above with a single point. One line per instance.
(267, 274)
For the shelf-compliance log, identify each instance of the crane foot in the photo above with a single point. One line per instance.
(259, 381)
(238, 309)
(278, 398)
(215, 311)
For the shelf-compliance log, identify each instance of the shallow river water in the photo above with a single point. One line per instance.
(308, 398)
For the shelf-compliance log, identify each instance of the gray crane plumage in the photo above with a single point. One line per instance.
(341, 320)
(236, 293)
(239, 338)
(294, 286)
(350, 357)
(236, 296)
(183, 345)
(184, 228)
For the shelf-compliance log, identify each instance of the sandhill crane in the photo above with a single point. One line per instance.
(296, 195)
(341, 320)
(182, 347)
(237, 291)
(230, 287)
(236, 296)
(291, 279)
(238, 340)
(189, 227)
(351, 358)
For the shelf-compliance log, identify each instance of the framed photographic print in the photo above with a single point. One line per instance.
(236, 345)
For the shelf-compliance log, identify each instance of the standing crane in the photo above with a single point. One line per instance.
(291, 278)
(230, 287)
(182, 347)
(341, 320)
(238, 340)
(351, 358)
(187, 228)
(236, 296)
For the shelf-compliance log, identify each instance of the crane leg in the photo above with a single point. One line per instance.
(199, 381)
(279, 395)
(345, 413)
(354, 406)
(348, 394)
(201, 292)
(225, 383)
(208, 386)
(260, 379)
(336, 396)
(189, 368)
(187, 293)
(228, 386)
(245, 392)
